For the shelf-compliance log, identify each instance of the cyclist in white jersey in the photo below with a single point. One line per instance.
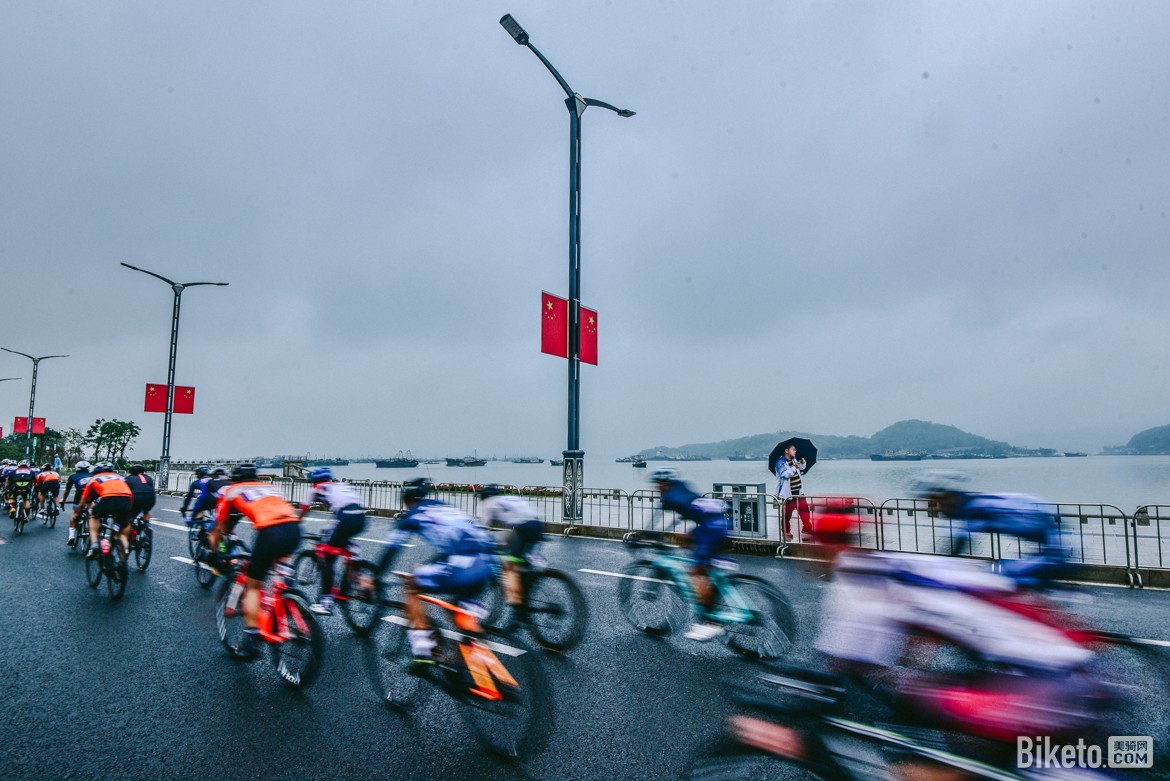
(346, 505)
(525, 531)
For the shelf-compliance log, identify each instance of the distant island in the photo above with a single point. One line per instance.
(1151, 442)
(907, 438)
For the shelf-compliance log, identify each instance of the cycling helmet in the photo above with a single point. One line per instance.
(219, 472)
(137, 469)
(82, 464)
(203, 470)
(664, 475)
(937, 482)
(415, 489)
(488, 491)
(241, 472)
(46, 467)
(22, 464)
(100, 468)
(321, 474)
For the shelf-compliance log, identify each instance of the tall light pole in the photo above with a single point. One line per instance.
(164, 462)
(574, 469)
(32, 395)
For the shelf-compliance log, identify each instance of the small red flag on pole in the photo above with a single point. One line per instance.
(184, 400)
(588, 336)
(38, 425)
(156, 398)
(20, 426)
(554, 325)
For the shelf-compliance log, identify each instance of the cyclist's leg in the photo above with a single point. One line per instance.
(272, 543)
(522, 539)
(350, 523)
(707, 539)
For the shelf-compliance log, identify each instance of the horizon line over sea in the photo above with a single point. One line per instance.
(1125, 482)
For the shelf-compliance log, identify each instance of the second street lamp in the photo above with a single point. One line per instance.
(574, 457)
(164, 462)
(32, 396)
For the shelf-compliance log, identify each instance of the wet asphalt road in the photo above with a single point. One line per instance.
(142, 689)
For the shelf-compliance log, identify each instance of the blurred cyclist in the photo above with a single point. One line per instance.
(198, 481)
(705, 540)
(209, 488)
(463, 565)
(75, 483)
(20, 485)
(346, 505)
(525, 530)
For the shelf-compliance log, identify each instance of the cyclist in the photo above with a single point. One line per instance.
(705, 540)
(278, 533)
(75, 483)
(142, 488)
(110, 497)
(346, 505)
(20, 485)
(202, 475)
(525, 531)
(48, 485)
(463, 565)
(203, 508)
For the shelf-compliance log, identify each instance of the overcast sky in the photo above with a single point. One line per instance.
(824, 217)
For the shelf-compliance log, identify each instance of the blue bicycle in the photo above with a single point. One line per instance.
(657, 597)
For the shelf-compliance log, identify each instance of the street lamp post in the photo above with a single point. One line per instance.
(32, 395)
(574, 468)
(164, 462)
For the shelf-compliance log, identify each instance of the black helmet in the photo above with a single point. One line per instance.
(47, 467)
(242, 472)
(488, 491)
(418, 488)
(203, 470)
(137, 469)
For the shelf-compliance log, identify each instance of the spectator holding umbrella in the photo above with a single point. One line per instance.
(789, 461)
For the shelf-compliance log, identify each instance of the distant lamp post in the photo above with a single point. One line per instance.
(32, 395)
(574, 457)
(164, 462)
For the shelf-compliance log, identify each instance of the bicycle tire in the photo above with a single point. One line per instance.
(492, 598)
(115, 570)
(518, 725)
(298, 658)
(205, 574)
(53, 515)
(307, 574)
(556, 610)
(93, 566)
(230, 627)
(773, 633)
(650, 601)
(144, 549)
(194, 539)
(82, 540)
(389, 663)
(362, 606)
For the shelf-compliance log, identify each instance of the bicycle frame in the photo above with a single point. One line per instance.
(322, 550)
(483, 664)
(737, 609)
(273, 619)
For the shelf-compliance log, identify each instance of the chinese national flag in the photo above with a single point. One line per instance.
(554, 325)
(20, 426)
(156, 398)
(38, 425)
(184, 400)
(588, 336)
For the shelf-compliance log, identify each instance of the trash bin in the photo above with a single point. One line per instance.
(748, 503)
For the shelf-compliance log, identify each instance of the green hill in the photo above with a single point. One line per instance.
(1151, 441)
(916, 436)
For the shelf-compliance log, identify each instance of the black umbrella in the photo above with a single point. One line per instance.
(804, 449)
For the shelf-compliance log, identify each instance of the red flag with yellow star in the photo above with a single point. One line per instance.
(156, 398)
(588, 336)
(554, 325)
(184, 400)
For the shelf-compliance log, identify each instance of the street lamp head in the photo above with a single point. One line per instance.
(625, 112)
(514, 29)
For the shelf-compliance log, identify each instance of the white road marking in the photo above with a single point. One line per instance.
(507, 650)
(622, 575)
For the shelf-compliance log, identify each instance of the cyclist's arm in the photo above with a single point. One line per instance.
(188, 497)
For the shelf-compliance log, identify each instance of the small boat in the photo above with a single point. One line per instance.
(639, 464)
(1075, 455)
(527, 460)
(400, 461)
(556, 462)
(467, 461)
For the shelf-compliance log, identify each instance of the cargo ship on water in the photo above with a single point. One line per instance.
(400, 461)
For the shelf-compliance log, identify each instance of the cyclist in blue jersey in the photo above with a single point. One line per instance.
(706, 539)
(76, 484)
(463, 564)
(202, 475)
(345, 503)
(203, 508)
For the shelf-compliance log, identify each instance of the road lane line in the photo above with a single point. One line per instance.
(622, 575)
(507, 650)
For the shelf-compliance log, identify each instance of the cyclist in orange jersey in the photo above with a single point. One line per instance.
(111, 498)
(278, 534)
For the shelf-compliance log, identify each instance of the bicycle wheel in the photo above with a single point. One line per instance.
(115, 569)
(307, 569)
(492, 597)
(389, 662)
(144, 548)
(650, 601)
(205, 574)
(362, 592)
(298, 657)
(194, 538)
(93, 566)
(53, 512)
(556, 610)
(82, 542)
(771, 633)
(230, 622)
(21, 519)
(518, 723)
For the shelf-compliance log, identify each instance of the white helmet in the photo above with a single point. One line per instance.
(82, 464)
(664, 474)
(936, 482)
